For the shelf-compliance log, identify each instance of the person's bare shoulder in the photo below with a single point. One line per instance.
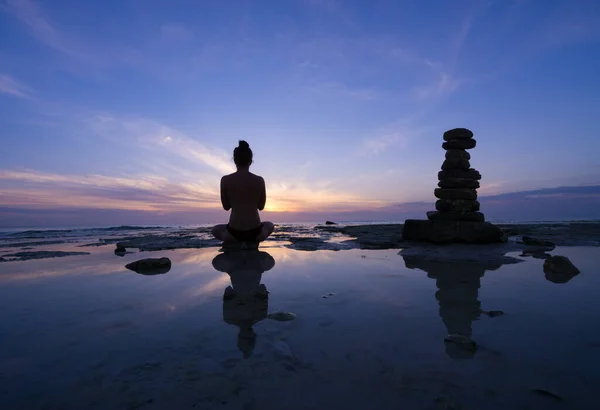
(257, 177)
(227, 177)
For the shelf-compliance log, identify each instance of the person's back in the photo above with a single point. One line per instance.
(245, 194)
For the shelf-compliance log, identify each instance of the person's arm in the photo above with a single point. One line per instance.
(263, 196)
(224, 199)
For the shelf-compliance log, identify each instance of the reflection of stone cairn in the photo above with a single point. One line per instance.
(457, 192)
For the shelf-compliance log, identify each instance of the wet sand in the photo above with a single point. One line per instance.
(84, 332)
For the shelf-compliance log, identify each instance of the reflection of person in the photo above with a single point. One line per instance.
(246, 301)
(245, 194)
(457, 295)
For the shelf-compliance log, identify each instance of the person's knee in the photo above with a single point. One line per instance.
(269, 226)
(217, 230)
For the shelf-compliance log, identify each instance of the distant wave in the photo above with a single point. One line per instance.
(51, 233)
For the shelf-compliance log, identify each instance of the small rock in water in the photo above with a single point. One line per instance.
(150, 266)
(463, 341)
(2, 260)
(120, 248)
(546, 393)
(528, 240)
(328, 295)
(560, 264)
(282, 316)
(493, 313)
(559, 269)
(330, 223)
(535, 253)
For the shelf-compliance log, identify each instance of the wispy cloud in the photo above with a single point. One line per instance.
(443, 85)
(314, 196)
(34, 189)
(381, 143)
(9, 85)
(41, 27)
(157, 137)
(144, 192)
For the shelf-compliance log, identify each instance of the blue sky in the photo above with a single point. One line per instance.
(136, 105)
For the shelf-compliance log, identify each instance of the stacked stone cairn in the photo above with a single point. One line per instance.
(457, 217)
(457, 189)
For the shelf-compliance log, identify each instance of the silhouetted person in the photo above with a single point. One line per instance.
(246, 302)
(245, 194)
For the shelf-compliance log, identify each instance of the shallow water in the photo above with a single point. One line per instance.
(84, 332)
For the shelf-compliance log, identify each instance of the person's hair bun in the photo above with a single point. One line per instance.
(243, 145)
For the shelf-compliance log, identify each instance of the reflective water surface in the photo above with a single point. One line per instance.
(369, 332)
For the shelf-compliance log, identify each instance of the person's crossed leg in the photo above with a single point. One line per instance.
(224, 234)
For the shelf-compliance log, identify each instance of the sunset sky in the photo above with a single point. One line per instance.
(127, 110)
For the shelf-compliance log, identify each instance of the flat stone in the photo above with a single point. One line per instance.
(456, 163)
(472, 174)
(441, 231)
(457, 153)
(460, 144)
(458, 133)
(460, 205)
(455, 216)
(459, 183)
(455, 193)
(150, 266)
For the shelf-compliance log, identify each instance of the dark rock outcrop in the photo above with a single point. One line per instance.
(330, 223)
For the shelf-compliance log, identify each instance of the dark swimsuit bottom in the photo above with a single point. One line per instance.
(245, 236)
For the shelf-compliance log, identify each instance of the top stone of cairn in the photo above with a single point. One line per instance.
(458, 134)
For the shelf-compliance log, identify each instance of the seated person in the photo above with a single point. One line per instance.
(245, 194)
